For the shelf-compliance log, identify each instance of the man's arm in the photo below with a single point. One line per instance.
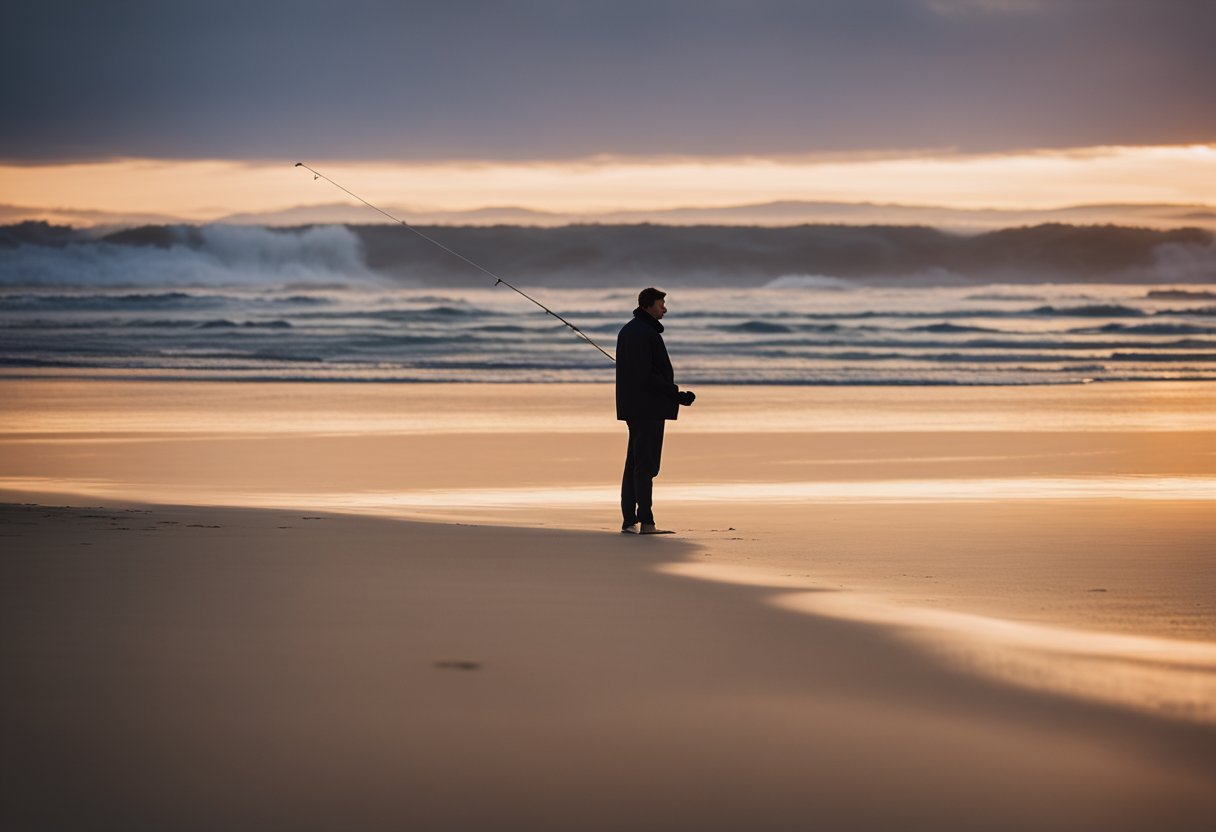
(656, 382)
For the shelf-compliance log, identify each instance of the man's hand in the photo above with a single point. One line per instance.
(686, 397)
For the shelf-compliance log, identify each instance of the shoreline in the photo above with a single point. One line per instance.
(16, 372)
(35, 372)
(952, 476)
(1079, 515)
(444, 407)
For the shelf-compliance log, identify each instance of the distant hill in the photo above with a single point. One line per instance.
(710, 254)
(792, 212)
(713, 254)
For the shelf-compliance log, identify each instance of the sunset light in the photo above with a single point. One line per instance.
(608, 415)
(205, 190)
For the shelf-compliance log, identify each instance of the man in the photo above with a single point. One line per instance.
(646, 396)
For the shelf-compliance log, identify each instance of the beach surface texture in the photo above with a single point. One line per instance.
(387, 606)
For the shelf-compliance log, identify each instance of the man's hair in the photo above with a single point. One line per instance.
(647, 297)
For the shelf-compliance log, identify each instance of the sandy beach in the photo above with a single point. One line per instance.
(405, 606)
(316, 318)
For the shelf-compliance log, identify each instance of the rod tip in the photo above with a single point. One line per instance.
(299, 164)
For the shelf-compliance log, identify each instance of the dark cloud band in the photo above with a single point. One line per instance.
(420, 80)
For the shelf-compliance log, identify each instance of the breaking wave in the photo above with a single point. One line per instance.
(213, 255)
(810, 281)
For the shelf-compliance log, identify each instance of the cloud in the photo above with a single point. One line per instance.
(540, 79)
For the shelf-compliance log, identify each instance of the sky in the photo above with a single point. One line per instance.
(199, 109)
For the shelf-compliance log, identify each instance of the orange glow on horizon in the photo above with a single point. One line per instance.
(203, 190)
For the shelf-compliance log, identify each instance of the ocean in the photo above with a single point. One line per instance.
(793, 331)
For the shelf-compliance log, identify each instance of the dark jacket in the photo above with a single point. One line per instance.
(645, 382)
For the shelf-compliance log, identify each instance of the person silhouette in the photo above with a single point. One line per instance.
(646, 397)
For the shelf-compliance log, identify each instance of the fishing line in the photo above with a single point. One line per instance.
(316, 175)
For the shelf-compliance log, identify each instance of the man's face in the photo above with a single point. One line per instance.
(658, 309)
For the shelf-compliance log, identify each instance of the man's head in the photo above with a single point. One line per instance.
(651, 299)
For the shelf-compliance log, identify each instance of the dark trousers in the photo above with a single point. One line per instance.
(641, 467)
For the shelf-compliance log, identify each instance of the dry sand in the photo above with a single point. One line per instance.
(883, 612)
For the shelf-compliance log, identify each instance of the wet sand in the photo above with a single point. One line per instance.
(908, 635)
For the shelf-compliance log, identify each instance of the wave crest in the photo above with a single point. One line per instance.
(217, 255)
(810, 281)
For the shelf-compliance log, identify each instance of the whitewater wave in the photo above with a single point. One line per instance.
(810, 281)
(215, 255)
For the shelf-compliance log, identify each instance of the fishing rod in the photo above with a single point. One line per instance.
(317, 175)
